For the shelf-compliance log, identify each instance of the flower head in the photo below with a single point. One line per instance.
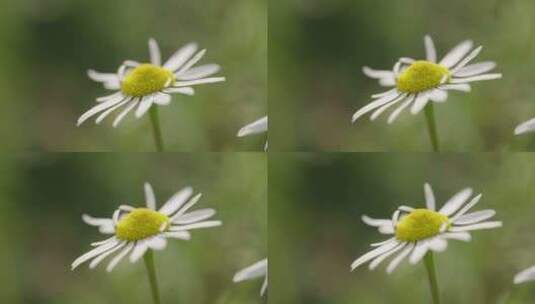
(141, 85)
(136, 230)
(417, 82)
(415, 231)
(258, 126)
(257, 270)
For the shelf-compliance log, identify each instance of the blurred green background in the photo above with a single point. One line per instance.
(318, 47)
(42, 198)
(48, 45)
(316, 202)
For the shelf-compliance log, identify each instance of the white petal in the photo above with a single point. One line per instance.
(399, 258)
(176, 201)
(459, 236)
(144, 106)
(387, 229)
(206, 224)
(383, 108)
(258, 269)
(183, 235)
(387, 81)
(525, 127)
(475, 217)
(94, 221)
(150, 199)
(430, 51)
(199, 72)
(437, 95)
(420, 103)
(94, 263)
(420, 249)
(475, 69)
(119, 257)
(123, 114)
(375, 222)
(156, 242)
(104, 114)
(100, 107)
(116, 95)
(375, 104)
(463, 87)
(457, 53)
(139, 250)
(467, 59)
(154, 50)
(185, 90)
(476, 78)
(455, 202)
(395, 114)
(194, 216)
(466, 207)
(180, 57)
(94, 252)
(258, 126)
(479, 226)
(374, 253)
(162, 99)
(377, 74)
(525, 275)
(187, 206)
(379, 95)
(199, 81)
(429, 197)
(191, 62)
(381, 258)
(437, 244)
(264, 287)
(102, 77)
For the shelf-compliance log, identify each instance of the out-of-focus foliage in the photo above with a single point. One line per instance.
(48, 45)
(316, 202)
(43, 198)
(318, 47)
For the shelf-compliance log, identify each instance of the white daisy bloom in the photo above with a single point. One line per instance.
(525, 127)
(417, 82)
(136, 230)
(525, 275)
(415, 231)
(257, 270)
(256, 127)
(142, 85)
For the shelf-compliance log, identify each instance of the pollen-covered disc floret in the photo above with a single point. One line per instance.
(414, 232)
(139, 86)
(136, 230)
(420, 224)
(415, 83)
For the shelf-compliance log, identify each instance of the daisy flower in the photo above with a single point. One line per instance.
(139, 85)
(258, 126)
(525, 127)
(136, 230)
(525, 275)
(257, 270)
(415, 83)
(415, 231)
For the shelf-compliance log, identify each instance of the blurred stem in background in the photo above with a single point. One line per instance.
(431, 126)
(149, 263)
(432, 276)
(156, 130)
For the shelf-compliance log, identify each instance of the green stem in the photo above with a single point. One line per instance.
(156, 131)
(431, 126)
(149, 264)
(432, 276)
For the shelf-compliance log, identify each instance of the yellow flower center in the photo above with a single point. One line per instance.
(421, 76)
(146, 79)
(139, 224)
(419, 224)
